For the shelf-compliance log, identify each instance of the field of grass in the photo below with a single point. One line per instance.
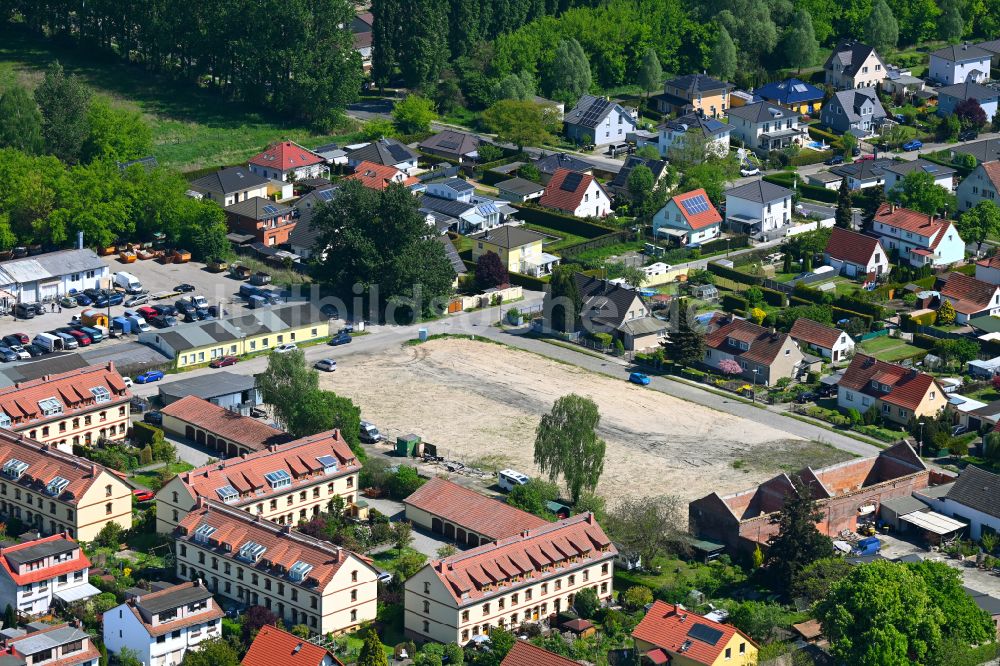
(889, 349)
(192, 128)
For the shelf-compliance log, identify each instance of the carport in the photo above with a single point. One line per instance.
(936, 526)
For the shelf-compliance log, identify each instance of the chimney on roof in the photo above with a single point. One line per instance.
(338, 550)
(199, 582)
(286, 529)
(200, 502)
(297, 648)
(892, 207)
(93, 470)
(243, 455)
(930, 218)
(272, 447)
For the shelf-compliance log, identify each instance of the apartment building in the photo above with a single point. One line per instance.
(76, 407)
(53, 492)
(257, 562)
(57, 645)
(34, 574)
(921, 239)
(275, 646)
(160, 627)
(284, 483)
(528, 577)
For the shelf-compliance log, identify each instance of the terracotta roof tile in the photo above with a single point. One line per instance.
(670, 627)
(566, 199)
(63, 634)
(72, 390)
(471, 510)
(907, 388)
(701, 216)
(968, 294)
(764, 345)
(285, 156)
(990, 262)
(223, 423)
(852, 247)
(78, 562)
(910, 220)
(378, 177)
(526, 654)
(814, 333)
(47, 462)
(275, 647)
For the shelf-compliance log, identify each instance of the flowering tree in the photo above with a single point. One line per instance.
(730, 367)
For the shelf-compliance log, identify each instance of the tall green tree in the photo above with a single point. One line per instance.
(318, 411)
(979, 223)
(648, 527)
(723, 56)
(516, 86)
(844, 215)
(424, 51)
(20, 121)
(801, 46)
(882, 29)
(651, 73)
(685, 345)
(918, 192)
(414, 114)
(520, 122)
(951, 26)
(563, 303)
(798, 542)
(640, 184)
(567, 445)
(372, 653)
(213, 652)
(285, 381)
(64, 102)
(568, 75)
(115, 133)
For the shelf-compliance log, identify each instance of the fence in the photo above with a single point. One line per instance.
(874, 334)
(570, 251)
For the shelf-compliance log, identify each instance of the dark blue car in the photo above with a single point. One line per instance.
(115, 299)
(83, 300)
(149, 376)
(913, 144)
(341, 338)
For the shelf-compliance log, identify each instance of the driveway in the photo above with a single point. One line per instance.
(423, 542)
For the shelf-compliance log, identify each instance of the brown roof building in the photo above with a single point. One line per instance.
(462, 514)
(229, 433)
(670, 633)
(764, 355)
(285, 483)
(899, 393)
(832, 343)
(856, 255)
(525, 654)
(276, 647)
(970, 297)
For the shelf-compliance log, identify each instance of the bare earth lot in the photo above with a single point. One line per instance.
(480, 402)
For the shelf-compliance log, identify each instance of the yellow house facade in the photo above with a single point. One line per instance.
(519, 249)
(672, 634)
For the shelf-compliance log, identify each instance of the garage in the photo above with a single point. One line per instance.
(48, 290)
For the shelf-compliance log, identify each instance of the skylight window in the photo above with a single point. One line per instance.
(50, 406)
(56, 485)
(298, 572)
(5, 421)
(278, 479)
(228, 494)
(251, 551)
(101, 394)
(329, 464)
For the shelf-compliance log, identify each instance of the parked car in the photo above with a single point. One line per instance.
(165, 310)
(326, 365)
(639, 378)
(115, 299)
(866, 157)
(749, 170)
(370, 434)
(161, 321)
(149, 376)
(21, 352)
(223, 362)
(68, 302)
(95, 334)
(286, 348)
(968, 135)
(7, 355)
(330, 311)
(341, 338)
(184, 308)
(23, 311)
(855, 151)
(183, 288)
(835, 160)
(913, 144)
(16, 339)
(83, 300)
(806, 396)
(92, 293)
(198, 301)
(146, 311)
(36, 350)
(141, 495)
(127, 381)
(138, 299)
(81, 338)
(828, 390)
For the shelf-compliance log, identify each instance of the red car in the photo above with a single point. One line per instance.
(146, 312)
(142, 495)
(82, 338)
(223, 362)
(16, 339)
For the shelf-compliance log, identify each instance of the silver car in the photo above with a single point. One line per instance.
(326, 365)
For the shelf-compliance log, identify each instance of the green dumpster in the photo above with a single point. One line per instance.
(406, 445)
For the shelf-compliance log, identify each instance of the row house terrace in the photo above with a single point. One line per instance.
(57, 645)
(34, 574)
(78, 407)
(528, 577)
(55, 492)
(284, 483)
(256, 562)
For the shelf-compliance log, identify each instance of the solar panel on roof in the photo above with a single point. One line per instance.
(696, 204)
(594, 113)
(450, 145)
(704, 633)
(325, 195)
(571, 181)
(270, 210)
(930, 168)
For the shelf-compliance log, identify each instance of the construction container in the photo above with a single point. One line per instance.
(406, 445)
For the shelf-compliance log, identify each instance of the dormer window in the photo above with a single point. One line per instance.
(251, 551)
(56, 486)
(298, 571)
(101, 394)
(227, 494)
(329, 463)
(5, 421)
(50, 406)
(203, 532)
(14, 468)
(278, 479)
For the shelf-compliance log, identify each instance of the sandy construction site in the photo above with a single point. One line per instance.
(480, 403)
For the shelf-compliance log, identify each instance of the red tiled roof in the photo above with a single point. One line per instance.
(378, 177)
(235, 527)
(221, 422)
(764, 345)
(667, 626)
(526, 654)
(699, 220)
(471, 510)
(907, 388)
(852, 247)
(968, 294)
(285, 156)
(275, 647)
(47, 462)
(990, 262)
(911, 220)
(471, 575)
(78, 562)
(298, 458)
(992, 171)
(558, 198)
(814, 333)
(70, 389)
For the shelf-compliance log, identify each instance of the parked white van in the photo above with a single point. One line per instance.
(48, 342)
(128, 282)
(508, 478)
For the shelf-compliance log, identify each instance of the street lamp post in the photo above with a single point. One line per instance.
(920, 442)
(753, 390)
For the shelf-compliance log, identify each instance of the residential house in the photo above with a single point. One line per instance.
(547, 165)
(453, 145)
(920, 239)
(451, 252)
(54, 492)
(987, 150)
(520, 190)
(332, 153)
(230, 390)
(36, 574)
(361, 29)
(794, 94)
(694, 92)
(856, 255)
(50, 275)
(619, 185)
(983, 184)
(970, 297)
(670, 634)
(527, 654)
(688, 218)
(453, 189)
(897, 170)
(764, 355)
(519, 249)
(988, 603)
(758, 207)
(256, 562)
(288, 161)
(268, 222)
(898, 393)
(958, 63)
(282, 481)
(521, 578)
(464, 515)
(257, 330)
(696, 128)
(78, 407)
(856, 111)
(230, 185)
(848, 494)
(577, 194)
(303, 237)
(467, 213)
(378, 177)
(993, 47)
(860, 175)
(273, 646)
(598, 121)
(160, 627)
(222, 430)
(854, 65)
(950, 97)
(385, 152)
(988, 269)
(972, 498)
(832, 343)
(50, 645)
(900, 81)
(764, 126)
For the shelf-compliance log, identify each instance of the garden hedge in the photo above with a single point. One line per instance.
(924, 341)
(841, 313)
(925, 319)
(850, 303)
(720, 244)
(732, 302)
(774, 297)
(560, 222)
(734, 275)
(797, 300)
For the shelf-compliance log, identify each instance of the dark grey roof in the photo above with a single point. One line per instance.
(961, 53)
(520, 186)
(904, 167)
(603, 301)
(698, 83)
(387, 152)
(986, 150)
(760, 191)
(456, 184)
(149, 163)
(208, 386)
(508, 236)
(45, 638)
(993, 46)
(863, 169)
(969, 90)
(851, 101)
(977, 489)
(986, 602)
(446, 206)
(590, 111)
(851, 55)
(229, 180)
(761, 112)
(304, 235)
(40, 551)
(708, 126)
(904, 505)
(173, 598)
(449, 249)
(549, 163)
(258, 208)
(52, 364)
(621, 178)
(451, 142)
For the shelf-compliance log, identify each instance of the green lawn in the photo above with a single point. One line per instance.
(192, 128)
(985, 394)
(561, 238)
(889, 349)
(151, 479)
